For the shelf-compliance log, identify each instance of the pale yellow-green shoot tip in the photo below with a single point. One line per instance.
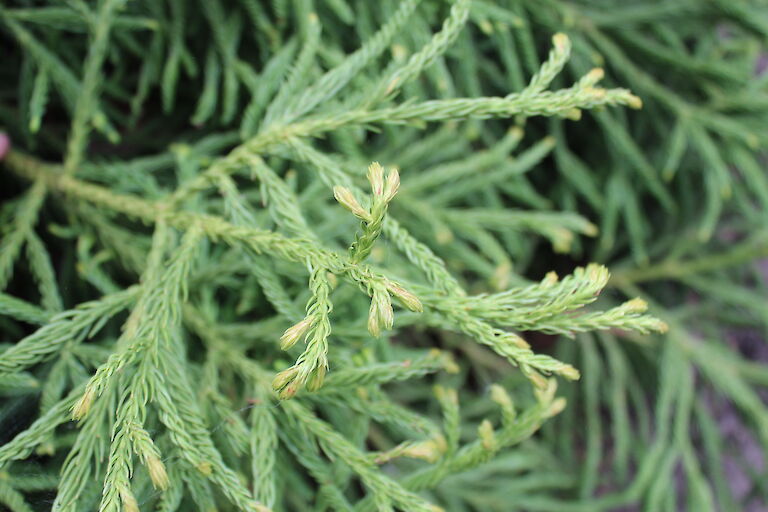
(557, 406)
(316, 378)
(376, 178)
(449, 364)
(590, 229)
(294, 333)
(205, 468)
(595, 75)
(487, 436)
(83, 405)
(573, 114)
(399, 52)
(430, 450)
(444, 394)
(561, 41)
(519, 342)
(500, 396)
(634, 102)
(408, 299)
(570, 373)
(157, 473)
(283, 381)
(392, 185)
(538, 380)
(516, 132)
(550, 279)
(486, 27)
(348, 201)
(128, 500)
(636, 305)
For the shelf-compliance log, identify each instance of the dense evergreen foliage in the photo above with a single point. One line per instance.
(351, 255)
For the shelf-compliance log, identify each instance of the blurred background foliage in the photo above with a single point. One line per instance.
(673, 198)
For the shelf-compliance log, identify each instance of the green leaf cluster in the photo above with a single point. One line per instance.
(297, 254)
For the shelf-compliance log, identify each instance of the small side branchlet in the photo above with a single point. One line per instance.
(312, 365)
(383, 191)
(239, 218)
(500, 396)
(380, 315)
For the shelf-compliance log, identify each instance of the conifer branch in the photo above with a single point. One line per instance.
(181, 275)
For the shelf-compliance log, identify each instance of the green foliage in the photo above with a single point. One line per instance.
(186, 173)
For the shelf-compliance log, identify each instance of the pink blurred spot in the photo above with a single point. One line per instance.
(762, 64)
(762, 267)
(5, 144)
